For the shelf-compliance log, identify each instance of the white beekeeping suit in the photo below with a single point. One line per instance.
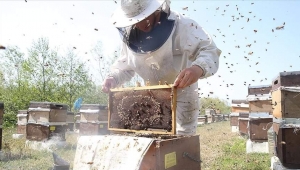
(187, 45)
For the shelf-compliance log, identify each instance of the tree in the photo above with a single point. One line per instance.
(214, 103)
(41, 68)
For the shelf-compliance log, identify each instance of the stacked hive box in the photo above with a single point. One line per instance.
(1, 122)
(260, 120)
(237, 107)
(93, 119)
(259, 123)
(260, 103)
(70, 121)
(46, 121)
(202, 119)
(260, 99)
(286, 113)
(22, 121)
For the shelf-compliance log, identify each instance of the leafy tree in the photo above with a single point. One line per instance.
(214, 103)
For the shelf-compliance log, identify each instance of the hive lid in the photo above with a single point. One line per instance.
(260, 115)
(259, 97)
(115, 152)
(234, 114)
(149, 109)
(44, 106)
(93, 107)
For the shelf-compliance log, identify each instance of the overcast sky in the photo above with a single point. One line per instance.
(241, 29)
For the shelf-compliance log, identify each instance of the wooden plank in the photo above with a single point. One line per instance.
(143, 88)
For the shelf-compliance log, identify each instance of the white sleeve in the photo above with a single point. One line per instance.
(120, 70)
(198, 46)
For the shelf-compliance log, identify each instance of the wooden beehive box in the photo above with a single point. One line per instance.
(259, 98)
(39, 132)
(45, 112)
(286, 102)
(286, 79)
(1, 121)
(243, 123)
(145, 151)
(93, 113)
(239, 106)
(234, 119)
(149, 109)
(287, 142)
(202, 119)
(259, 124)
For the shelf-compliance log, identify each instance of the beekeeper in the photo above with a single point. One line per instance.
(163, 45)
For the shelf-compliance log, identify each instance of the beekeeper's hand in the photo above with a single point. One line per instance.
(188, 76)
(109, 83)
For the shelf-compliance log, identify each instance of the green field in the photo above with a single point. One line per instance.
(220, 149)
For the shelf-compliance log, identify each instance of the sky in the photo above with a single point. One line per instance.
(251, 52)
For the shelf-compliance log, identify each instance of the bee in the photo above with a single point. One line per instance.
(280, 27)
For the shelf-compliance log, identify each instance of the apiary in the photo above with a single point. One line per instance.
(287, 141)
(93, 119)
(1, 122)
(286, 102)
(239, 106)
(46, 121)
(259, 124)
(22, 121)
(70, 120)
(243, 123)
(149, 109)
(286, 79)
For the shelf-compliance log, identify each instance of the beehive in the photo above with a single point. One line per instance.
(1, 122)
(46, 121)
(138, 152)
(234, 119)
(287, 143)
(259, 98)
(40, 132)
(286, 79)
(243, 123)
(286, 102)
(239, 106)
(259, 124)
(22, 121)
(202, 119)
(45, 112)
(149, 109)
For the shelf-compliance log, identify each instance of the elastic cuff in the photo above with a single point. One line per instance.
(204, 71)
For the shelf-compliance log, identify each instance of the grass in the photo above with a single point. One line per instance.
(220, 149)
